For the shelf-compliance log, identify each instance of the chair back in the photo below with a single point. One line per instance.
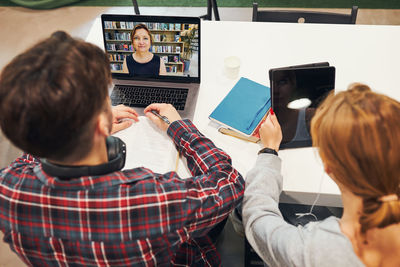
(304, 16)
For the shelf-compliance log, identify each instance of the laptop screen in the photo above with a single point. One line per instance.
(153, 47)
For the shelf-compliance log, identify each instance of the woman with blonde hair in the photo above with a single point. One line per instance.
(142, 62)
(357, 133)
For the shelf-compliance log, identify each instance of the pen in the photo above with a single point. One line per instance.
(165, 119)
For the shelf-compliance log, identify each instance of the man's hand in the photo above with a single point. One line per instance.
(122, 118)
(270, 132)
(166, 110)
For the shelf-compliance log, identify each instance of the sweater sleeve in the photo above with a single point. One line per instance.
(281, 244)
(276, 242)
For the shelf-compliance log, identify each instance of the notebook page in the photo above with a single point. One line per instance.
(147, 146)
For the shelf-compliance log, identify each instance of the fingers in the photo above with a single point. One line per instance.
(267, 126)
(119, 126)
(123, 112)
(154, 106)
(151, 116)
(270, 132)
(163, 109)
(157, 121)
(274, 119)
(125, 109)
(125, 115)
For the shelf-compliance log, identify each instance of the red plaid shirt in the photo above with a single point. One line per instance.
(131, 217)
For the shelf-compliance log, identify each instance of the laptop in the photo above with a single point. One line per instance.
(173, 73)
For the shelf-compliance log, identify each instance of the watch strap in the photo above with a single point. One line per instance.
(268, 151)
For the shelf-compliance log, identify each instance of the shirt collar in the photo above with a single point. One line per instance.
(92, 182)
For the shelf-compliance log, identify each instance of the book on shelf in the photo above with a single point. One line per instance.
(115, 66)
(147, 146)
(243, 110)
(122, 24)
(129, 25)
(107, 24)
(171, 69)
(170, 58)
(111, 47)
(177, 37)
(116, 57)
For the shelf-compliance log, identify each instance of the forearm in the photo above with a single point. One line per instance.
(202, 155)
(216, 187)
(263, 187)
(266, 231)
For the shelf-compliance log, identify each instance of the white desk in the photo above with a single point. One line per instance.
(360, 53)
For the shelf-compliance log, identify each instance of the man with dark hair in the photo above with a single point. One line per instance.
(65, 201)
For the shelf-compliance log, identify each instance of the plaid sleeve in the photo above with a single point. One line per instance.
(215, 188)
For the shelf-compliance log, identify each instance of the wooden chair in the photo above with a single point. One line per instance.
(304, 16)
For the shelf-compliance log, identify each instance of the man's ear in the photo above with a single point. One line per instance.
(102, 124)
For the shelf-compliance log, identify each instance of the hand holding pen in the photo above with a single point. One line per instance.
(164, 118)
(161, 114)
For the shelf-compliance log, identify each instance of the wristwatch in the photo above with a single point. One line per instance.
(268, 151)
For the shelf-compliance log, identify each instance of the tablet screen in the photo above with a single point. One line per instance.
(296, 93)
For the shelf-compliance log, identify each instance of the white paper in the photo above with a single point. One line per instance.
(147, 146)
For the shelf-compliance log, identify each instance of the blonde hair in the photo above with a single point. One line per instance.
(358, 135)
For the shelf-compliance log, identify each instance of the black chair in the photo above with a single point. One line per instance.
(211, 6)
(304, 16)
(136, 7)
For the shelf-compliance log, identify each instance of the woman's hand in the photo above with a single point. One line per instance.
(122, 118)
(270, 132)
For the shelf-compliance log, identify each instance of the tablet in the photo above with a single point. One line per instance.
(296, 93)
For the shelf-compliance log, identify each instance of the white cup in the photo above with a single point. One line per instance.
(231, 67)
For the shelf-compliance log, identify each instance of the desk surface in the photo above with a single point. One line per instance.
(361, 53)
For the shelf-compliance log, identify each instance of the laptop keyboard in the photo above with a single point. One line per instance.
(142, 96)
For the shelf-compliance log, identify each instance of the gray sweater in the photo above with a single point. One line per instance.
(279, 243)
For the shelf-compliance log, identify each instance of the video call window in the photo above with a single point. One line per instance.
(175, 44)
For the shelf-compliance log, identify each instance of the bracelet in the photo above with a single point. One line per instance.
(268, 151)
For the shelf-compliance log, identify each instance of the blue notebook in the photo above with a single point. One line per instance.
(245, 106)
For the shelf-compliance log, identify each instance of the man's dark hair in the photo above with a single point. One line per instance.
(50, 94)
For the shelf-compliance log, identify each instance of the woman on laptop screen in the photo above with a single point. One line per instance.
(142, 62)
